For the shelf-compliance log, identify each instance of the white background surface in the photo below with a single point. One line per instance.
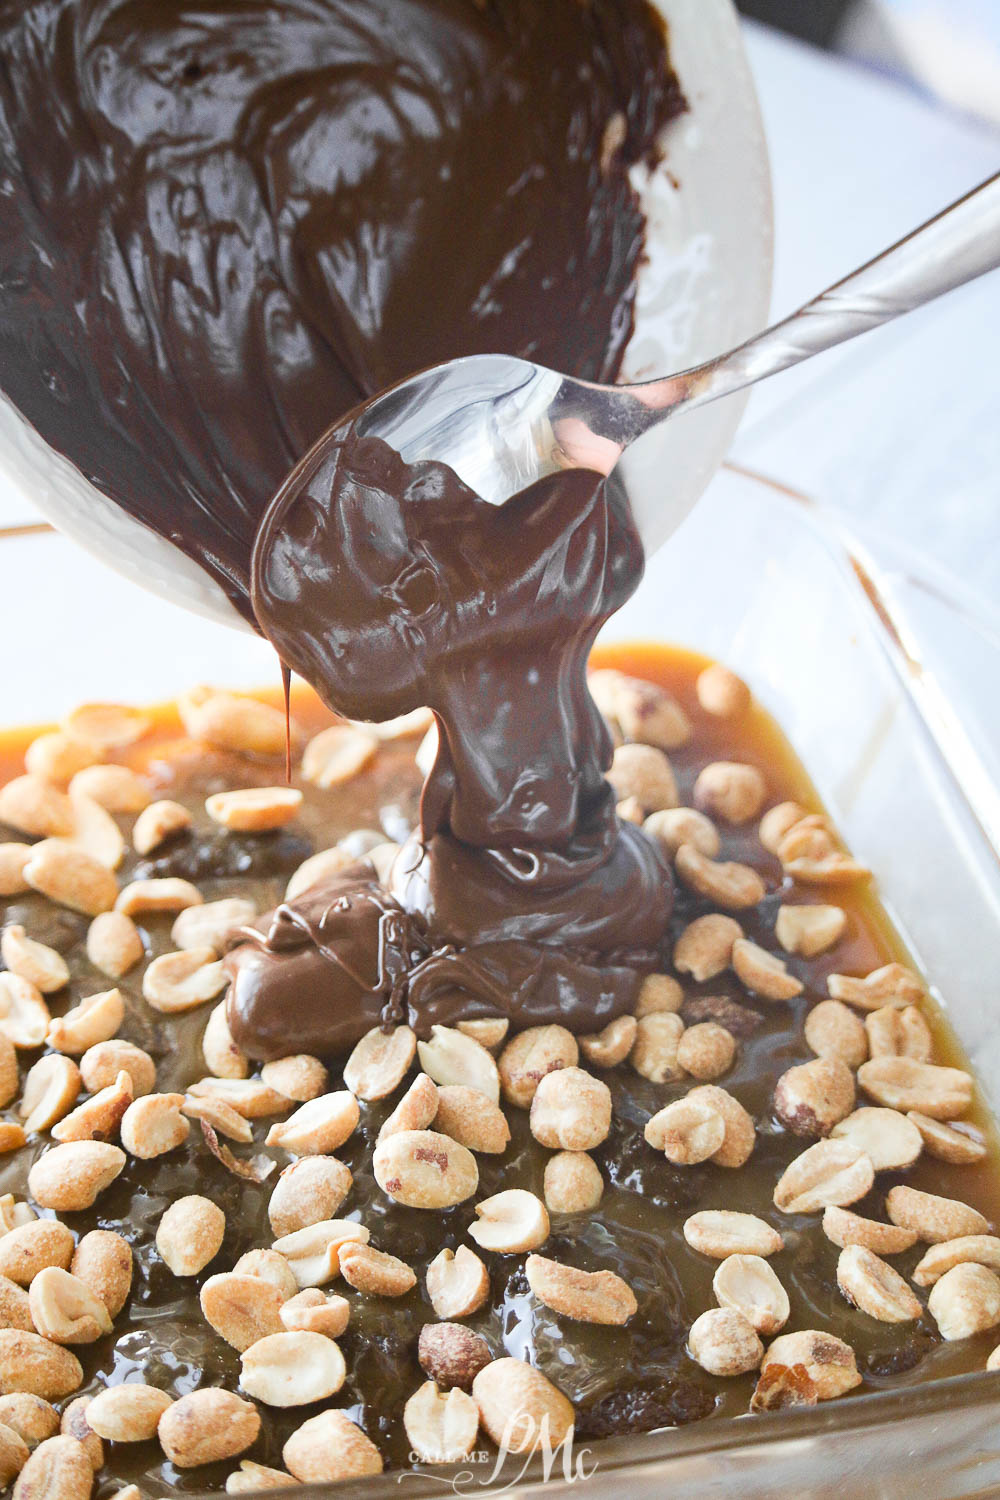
(900, 428)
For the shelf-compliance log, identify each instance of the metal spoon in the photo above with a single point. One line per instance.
(502, 422)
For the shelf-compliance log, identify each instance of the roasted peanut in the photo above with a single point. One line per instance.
(71, 1177)
(308, 1192)
(206, 1426)
(532, 1054)
(584, 1296)
(113, 944)
(724, 1342)
(190, 1234)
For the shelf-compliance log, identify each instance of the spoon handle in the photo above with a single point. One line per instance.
(959, 244)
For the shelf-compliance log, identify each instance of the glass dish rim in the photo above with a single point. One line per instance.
(855, 549)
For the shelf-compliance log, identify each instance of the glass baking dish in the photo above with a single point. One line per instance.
(885, 683)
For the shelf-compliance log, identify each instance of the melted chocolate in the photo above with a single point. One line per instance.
(224, 224)
(389, 586)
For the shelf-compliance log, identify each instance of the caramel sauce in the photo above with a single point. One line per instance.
(620, 1378)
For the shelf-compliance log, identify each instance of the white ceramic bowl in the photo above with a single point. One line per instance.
(704, 288)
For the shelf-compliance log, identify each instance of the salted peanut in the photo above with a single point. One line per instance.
(330, 1447)
(706, 1050)
(12, 1137)
(416, 1109)
(674, 826)
(903, 1083)
(654, 1052)
(230, 721)
(250, 1097)
(763, 973)
(610, 1046)
(809, 853)
(809, 930)
(74, 1423)
(749, 1285)
(116, 789)
(50, 1088)
(874, 1287)
(65, 1310)
(893, 984)
(532, 1054)
(813, 1097)
(319, 1126)
(128, 1413)
(740, 1136)
(24, 1015)
(452, 1057)
(168, 894)
(731, 791)
(721, 693)
(250, 1478)
(299, 1077)
(828, 1361)
(71, 1177)
(269, 1266)
(965, 1301)
(98, 1117)
(777, 822)
(101, 1064)
(723, 1342)
(317, 869)
(223, 1120)
(154, 1125)
(953, 1141)
(178, 982)
(686, 1131)
(209, 924)
(457, 1282)
(31, 1363)
(584, 1296)
(158, 822)
(381, 1060)
(13, 858)
(14, 1453)
(830, 1172)
(308, 1192)
(114, 944)
(33, 805)
(424, 1169)
(644, 711)
(190, 1234)
(108, 726)
(71, 877)
(13, 1214)
(242, 1309)
(471, 1119)
(256, 809)
(889, 1139)
(720, 1232)
(28, 1248)
(520, 1408)
(630, 811)
(41, 966)
(313, 1311)
(222, 1056)
(488, 1031)
(313, 1253)
(705, 947)
(645, 773)
(898, 1033)
(15, 1306)
(102, 1262)
(833, 1030)
(207, 1426)
(451, 1354)
(9, 1072)
(32, 1419)
(511, 1221)
(441, 1429)
(732, 886)
(659, 994)
(292, 1369)
(96, 832)
(374, 1272)
(571, 1111)
(59, 1469)
(844, 1228)
(58, 757)
(974, 1249)
(96, 1019)
(933, 1218)
(337, 755)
